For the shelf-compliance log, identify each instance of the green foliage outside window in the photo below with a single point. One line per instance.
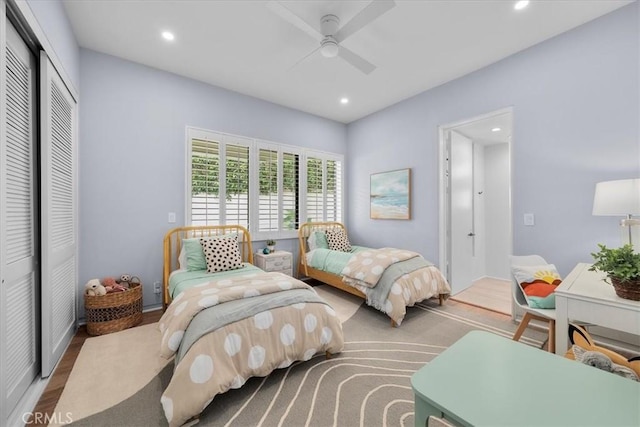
(205, 176)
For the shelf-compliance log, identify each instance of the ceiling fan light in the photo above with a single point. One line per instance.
(329, 48)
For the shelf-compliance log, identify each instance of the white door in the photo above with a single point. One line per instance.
(19, 296)
(59, 213)
(461, 231)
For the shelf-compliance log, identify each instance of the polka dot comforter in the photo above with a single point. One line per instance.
(394, 279)
(267, 337)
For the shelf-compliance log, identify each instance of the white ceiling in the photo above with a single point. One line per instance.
(245, 47)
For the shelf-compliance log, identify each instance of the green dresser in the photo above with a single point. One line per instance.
(487, 380)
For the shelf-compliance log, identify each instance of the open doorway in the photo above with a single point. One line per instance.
(475, 209)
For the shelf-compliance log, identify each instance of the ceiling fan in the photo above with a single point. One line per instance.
(331, 34)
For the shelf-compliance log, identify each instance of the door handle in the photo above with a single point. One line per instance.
(471, 234)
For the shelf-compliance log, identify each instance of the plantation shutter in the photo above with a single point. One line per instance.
(290, 191)
(268, 187)
(236, 184)
(205, 182)
(219, 179)
(315, 191)
(59, 217)
(334, 191)
(278, 174)
(19, 359)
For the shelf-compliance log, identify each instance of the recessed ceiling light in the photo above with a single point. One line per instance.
(496, 130)
(521, 4)
(344, 100)
(167, 35)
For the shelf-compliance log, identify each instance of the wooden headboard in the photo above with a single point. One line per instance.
(305, 231)
(173, 245)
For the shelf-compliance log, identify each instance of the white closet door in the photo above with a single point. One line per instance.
(59, 214)
(18, 232)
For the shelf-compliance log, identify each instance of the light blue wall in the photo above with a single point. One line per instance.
(53, 20)
(132, 156)
(576, 119)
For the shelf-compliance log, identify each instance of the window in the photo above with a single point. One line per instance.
(260, 185)
(278, 175)
(215, 201)
(324, 188)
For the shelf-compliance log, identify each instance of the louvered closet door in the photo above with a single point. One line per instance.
(19, 296)
(59, 214)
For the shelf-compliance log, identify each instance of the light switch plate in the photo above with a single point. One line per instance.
(172, 217)
(529, 219)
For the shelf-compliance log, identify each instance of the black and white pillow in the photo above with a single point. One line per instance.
(338, 240)
(221, 253)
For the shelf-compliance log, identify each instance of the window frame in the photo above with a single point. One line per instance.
(255, 145)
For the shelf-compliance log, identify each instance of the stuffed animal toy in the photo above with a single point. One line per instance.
(94, 288)
(125, 280)
(586, 351)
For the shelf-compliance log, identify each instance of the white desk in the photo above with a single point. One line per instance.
(583, 296)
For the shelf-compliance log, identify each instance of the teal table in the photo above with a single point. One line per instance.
(487, 380)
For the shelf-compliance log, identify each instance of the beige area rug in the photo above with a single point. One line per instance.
(111, 368)
(487, 293)
(372, 373)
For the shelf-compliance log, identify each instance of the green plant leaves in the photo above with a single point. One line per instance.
(622, 263)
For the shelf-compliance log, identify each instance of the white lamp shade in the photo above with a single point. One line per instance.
(617, 198)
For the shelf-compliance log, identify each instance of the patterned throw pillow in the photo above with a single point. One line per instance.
(338, 240)
(221, 253)
(538, 283)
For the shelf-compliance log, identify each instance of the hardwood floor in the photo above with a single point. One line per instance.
(491, 294)
(49, 399)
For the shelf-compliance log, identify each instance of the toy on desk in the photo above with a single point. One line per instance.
(584, 350)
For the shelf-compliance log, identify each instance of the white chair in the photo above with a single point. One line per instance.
(543, 315)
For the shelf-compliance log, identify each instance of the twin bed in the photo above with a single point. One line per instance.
(240, 322)
(390, 280)
(226, 320)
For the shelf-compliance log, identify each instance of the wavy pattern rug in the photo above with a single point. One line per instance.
(368, 384)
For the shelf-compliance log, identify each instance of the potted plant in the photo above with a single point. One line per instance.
(271, 244)
(622, 266)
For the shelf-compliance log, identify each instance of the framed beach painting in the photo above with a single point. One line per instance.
(390, 194)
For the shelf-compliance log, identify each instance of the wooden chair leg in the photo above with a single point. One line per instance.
(441, 298)
(523, 325)
(393, 324)
(552, 336)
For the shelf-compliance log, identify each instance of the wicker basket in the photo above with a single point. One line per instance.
(628, 290)
(113, 312)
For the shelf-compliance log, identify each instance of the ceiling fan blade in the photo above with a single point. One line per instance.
(366, 16)
(356, 60)
(305, 57)
(282, 11)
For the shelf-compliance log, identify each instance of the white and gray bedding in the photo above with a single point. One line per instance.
(226, 328)
(402, 284)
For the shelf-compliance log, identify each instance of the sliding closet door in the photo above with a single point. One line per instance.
(19, 294)
(59, 214)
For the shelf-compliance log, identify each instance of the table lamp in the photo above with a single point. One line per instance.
(619, 198)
